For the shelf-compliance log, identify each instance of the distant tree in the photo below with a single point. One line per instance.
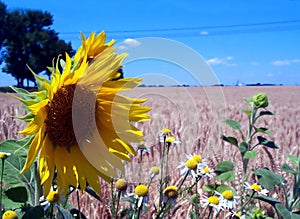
(3, 14)
(30, 42)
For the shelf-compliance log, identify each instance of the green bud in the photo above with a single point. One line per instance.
(260, 100)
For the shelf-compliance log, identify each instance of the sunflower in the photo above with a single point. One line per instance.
(81, 127)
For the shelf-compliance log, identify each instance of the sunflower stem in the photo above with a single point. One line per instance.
(246, 161)
(38, 189)
(1, 182)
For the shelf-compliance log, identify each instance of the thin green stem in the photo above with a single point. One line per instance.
(1, 182)
(118, 202)
(247, 202)
(210, 212)
(167, 166)
(113, 198)
(141, 164)
(162, 172)
(78, 203)
(187, 173)
(160, 211)
(51, 210)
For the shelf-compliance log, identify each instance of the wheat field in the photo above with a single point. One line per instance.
(195, 115)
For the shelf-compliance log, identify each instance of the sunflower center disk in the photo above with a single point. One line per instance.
(59, 121)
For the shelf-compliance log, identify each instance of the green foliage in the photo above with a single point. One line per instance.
(233, 124)
(266, 142)
(29, 41)
(17, 194)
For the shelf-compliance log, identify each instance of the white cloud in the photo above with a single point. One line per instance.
(132, 42)
(270, 75)
(129, 43)
(203, 33)
(285, 62)
(221, 61)
(255, 63)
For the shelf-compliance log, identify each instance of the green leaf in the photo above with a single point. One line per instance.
(283, 211)
(17, 194)
(224, 166)
(231, 140)
(227, 176)
(233, 124)
(210, 187)
(14, 164)
(250, 155)
(24, 94)
(265, 112)
(127, 212)
(288, 169)
(34, 212)
(294, 159)
(267, 199)
(249, 101)
(221, 188)
(268, 179)
(243, 147)
(248, 112)
(266, 142)
(263, 130)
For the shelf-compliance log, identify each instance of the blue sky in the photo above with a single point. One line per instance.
(242, 41)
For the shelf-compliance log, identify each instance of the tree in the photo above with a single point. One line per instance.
(3, 14)
(31, 42)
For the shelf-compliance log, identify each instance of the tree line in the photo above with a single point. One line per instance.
(26, 39)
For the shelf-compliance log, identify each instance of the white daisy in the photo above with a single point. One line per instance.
(212, 201)
(256, 188)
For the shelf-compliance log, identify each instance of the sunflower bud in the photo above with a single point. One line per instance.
(260, 100)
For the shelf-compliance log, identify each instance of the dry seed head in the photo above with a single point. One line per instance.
(121, 184)
(171, 192)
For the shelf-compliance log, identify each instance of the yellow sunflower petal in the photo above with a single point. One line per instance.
(46, 165)
(36, 107)
(34, 149)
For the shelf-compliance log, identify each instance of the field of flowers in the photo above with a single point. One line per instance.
(195, 116)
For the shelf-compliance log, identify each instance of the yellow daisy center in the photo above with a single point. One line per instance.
(53, 197)
(10, 215)
(4, 155)
(165, 131)
(206, 170)
(197, 158)
(121, 185)
(238, 214)
(213, 200)
(171, 192)
(255, 187)
(154, 170)
(59, 123)
(227, 194)
(141, 190)
(170, 139)
(191, 164)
